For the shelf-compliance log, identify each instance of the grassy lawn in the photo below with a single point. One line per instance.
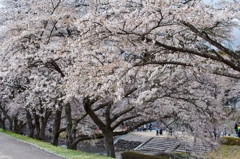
(225, 152)
(70, 154)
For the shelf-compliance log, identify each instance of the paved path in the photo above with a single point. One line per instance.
(11, 148)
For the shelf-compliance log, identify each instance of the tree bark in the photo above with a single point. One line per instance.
(37, 126)
(69, 135)
(73, 146)
(106, 128)
(16, 125)
(6, 116)
(44, 121)
(10, 123)
(31, 127)
(109, 145)
(42, 130)
(56, 126)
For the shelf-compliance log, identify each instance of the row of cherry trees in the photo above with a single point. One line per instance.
(80, 65)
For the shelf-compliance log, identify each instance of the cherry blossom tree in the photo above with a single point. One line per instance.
(156, 92)
(170, 31)
(10, 101)
(125, 61)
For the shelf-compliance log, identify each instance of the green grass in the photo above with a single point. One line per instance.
(225, 152)
(70, 154)
(229, 149)
(230, 141)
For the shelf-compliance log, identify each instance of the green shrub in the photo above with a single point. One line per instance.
(136, 155)
(230, 141)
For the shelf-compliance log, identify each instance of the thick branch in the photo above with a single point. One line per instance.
(123, 120)
(77, 120)
(237, 76)
(116, 116)
(107, 116)
(61, 130)
(205, 36)
(184, 50)
(91, 113)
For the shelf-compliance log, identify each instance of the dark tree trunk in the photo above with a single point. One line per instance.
(69, 134)
(3, 124)
(21, 125)
(37, 126)
(6, 116)
(16, 126)
(56, 126)
(10, 124)
(42, 131)
(109, 145)
(31, 127)
(106, 128)
(44, 121)
(73, 146)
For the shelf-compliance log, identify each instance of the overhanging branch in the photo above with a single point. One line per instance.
(205, 36)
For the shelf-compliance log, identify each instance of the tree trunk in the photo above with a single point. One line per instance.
(30, 125)
(37, 126)
(6, 116)
(56, 126)
(69, 134)
(42, 131)
(106, 128)
(18, 126)
(21, 125)
(10, 123)
(44, 121)
(73, 146)
(15, 125)
(109, 145)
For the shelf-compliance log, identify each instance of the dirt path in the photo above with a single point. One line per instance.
(11, 148)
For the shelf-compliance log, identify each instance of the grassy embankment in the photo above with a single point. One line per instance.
(224, 152)
(70, 154)
(230, 149)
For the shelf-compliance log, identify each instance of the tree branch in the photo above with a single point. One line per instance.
(116, 116)
(124, 119)
(91, 113)
(163, 63)
(205, 36)
(237, 76)
(130, 92)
